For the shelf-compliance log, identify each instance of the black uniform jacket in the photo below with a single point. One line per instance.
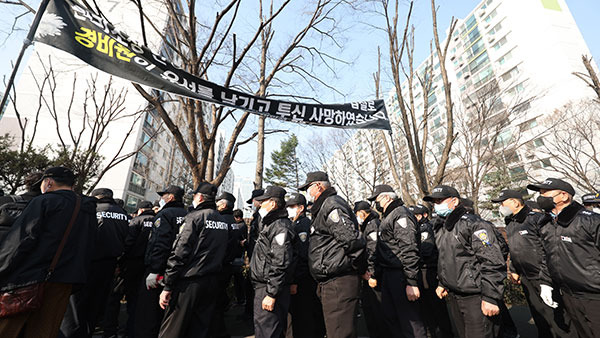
(113, 223)
(527, 255)
(160, 242)
(470, 259)
(137, 235)
(273, 259)
(28, 248)
(427, 248)
(336, 246)
(572, 242)
(371, 234)
(200, 246)
(398, 243)
(302, 230)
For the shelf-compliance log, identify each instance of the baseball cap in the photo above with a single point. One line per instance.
(590, 198)
(418, 209)
(506, 194)
(441, 192)
(362, 205)
(226, 196)
(206, 189)
(552, 184)
(57, 172)
(143, 205)
(315, 176)
(380, 189)
(102, 192)
(296, 199)
(255, 193)
(272, 191)
(172, 189)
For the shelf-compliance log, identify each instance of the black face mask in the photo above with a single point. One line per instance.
(546, 203)
(378, 206)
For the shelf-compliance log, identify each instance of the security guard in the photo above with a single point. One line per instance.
(398, 256)
(433, 310)
(249, 248)
(591, 202)
(471, 267)
(528, 263)
(336, 256)
(165, 227)
(370, 298)
(192, 269)
(271, 266)
(572, 243)
(305, 308)
(88, 304)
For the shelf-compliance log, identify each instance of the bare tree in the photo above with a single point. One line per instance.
(591, 78)
(207, 48)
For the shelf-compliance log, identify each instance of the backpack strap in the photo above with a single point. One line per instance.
(63, 242)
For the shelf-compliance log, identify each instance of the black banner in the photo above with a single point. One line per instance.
(74, 29)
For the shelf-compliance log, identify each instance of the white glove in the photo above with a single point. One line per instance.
(152, 281)
(546, 295)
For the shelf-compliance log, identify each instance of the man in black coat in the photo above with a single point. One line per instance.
(88, 304)
(337, 256)
(528, 263)
(165, 227)
(240, 234)
(369, 221)
(398, 256)
(31, 244)
(471, 266)
(433, 310)
(193, 267)
(11, 206)
(249, 248)
(572, 245)
(272, 265)
(305, 308)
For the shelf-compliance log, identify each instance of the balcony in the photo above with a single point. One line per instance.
(136, 189)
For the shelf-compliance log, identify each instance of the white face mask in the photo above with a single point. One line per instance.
(292, 212)
(596, 210)
(310, 198)
(161, 203)
(262, 212)
(360, 220)
(505, 211)
(195, 204)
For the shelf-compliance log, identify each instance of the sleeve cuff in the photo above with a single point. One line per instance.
(412, 282)
(489, 300)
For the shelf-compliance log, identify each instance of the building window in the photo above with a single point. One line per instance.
(546, 163)
(479, 62)
(505, 58)
(528, 125)
(495, 29)
(511, 74)
(500, 43)
(491, 16)
(538, 142)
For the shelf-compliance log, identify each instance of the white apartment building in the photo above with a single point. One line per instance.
(529, 50)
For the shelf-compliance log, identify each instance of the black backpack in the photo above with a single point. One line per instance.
(10, 211)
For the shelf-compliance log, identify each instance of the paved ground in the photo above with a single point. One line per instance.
(238, 327)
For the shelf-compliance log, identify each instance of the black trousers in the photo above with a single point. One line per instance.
(110, 322)
(87, 305)
(370, 300)
(306, 311)
(191, 309)
(402, 316)
(218, 328)
(148, 313)
(434, 311)
(549, 322)
(465, 312)
(270, 324)
(584, 313)
(339, 298)
(238, 283)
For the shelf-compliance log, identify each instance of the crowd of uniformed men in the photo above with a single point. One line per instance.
(414, 275)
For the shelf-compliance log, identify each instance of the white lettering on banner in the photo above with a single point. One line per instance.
(111, 215)
(216, 225)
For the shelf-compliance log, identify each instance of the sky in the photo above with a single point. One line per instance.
(354, 80)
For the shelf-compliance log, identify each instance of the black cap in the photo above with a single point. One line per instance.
(315, 176)
(255, 193)
(553, 184)
(591, 198)
(532, 205)
(144, 205)
(272, 191)
(172, 189)
(362, 205)
(206, 189)
(296, 199)
(380, 189)
(102, 192)
(226, 196)
(506, 194)
(441, 192)
(418, 209)
(57, 172)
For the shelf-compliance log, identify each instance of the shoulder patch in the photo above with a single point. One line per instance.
(373, 236)
(334, 216)
(157, 223)
(483, 237)
(280, 238)
(402, 222)
(424, 236)
(303, 236)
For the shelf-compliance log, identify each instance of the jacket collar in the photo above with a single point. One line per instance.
(395, 203)
(147, 212)
(226, 212)
(519, 217)
(173, 204)
(319, 202)
(206, 205)
(567, 215)
(275, 215)
(372, 215)
(454, 216)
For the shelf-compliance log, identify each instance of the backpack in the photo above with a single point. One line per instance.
(10, 211)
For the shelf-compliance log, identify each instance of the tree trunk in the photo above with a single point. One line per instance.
(210, 165)
(260, 153)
